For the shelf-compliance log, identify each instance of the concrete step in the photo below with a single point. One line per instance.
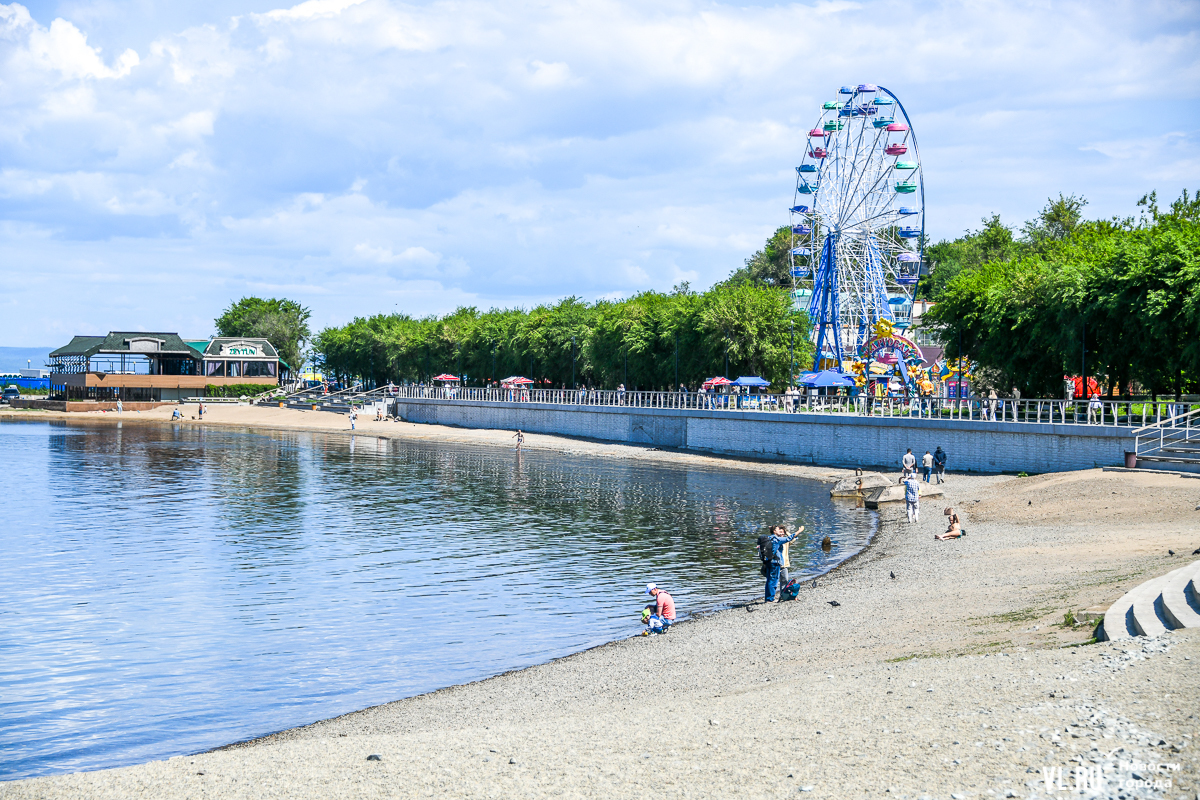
(1147, 605)
(1156, 606)
(1174, 459)
(1118, 620)
(1179, 613)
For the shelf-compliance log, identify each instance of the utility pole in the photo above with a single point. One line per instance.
(1083, 361)
(792, 355)
(572, 362)
(675, 388)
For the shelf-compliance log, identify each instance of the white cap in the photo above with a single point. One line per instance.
(650, 587)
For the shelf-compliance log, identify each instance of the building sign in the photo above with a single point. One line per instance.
(240, 349)
(872, 348)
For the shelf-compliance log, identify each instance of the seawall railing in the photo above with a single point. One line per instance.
(1126, 413)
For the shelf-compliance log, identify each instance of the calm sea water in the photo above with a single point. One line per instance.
(168, 591)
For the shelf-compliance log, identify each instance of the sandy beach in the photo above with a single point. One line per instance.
(955, 678)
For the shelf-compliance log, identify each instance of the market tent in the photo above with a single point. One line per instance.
(516, 379)
(711, 382)
(446, 377)
(751, 380)
(828, 377)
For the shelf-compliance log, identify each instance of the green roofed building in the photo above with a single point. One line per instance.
(158, 367)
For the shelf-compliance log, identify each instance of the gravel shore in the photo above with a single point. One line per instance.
(951, 680)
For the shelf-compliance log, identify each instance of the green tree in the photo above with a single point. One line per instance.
(770, 266)
(284, 323)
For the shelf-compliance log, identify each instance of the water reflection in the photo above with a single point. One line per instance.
(174, 589)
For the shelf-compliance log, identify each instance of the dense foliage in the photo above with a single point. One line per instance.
(637, 342)
(1122, 295)
(283, 323)
(235, 390)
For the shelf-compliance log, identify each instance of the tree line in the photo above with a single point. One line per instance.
(1116, 299)
(650, 341)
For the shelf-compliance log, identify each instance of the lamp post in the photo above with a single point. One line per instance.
(572, 362)
(675, 388)
(792, 355)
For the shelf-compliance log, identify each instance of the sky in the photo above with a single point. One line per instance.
(160, 159)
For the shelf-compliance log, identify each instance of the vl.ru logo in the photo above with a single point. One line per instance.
(1093, 780)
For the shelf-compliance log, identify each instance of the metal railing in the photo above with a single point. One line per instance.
(1126, 413)
(1174, 437)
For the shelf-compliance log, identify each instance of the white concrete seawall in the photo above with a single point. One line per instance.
(826, 439)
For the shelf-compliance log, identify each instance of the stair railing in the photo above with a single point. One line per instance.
(1172, 431)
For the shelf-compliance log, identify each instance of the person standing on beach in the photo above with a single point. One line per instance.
(120, 406)
(939, 461)
(353, 417)
(663, 608)
(520, 437)
(910, 464)
(912, 498)
(201, 409)
(927, 465)
(776, 543)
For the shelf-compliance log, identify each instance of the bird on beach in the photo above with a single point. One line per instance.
(814, 584)
(834, 603)
(893, 575)
(1196, 552)
(1170, 552)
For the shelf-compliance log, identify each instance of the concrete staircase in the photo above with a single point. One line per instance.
(1172, 444)
(1160, 604)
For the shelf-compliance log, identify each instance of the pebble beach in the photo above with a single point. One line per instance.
(959, 677)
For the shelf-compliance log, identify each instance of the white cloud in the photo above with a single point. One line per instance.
(64, 48)
(368, 154)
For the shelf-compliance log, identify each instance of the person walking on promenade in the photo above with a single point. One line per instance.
(939, 462)
(663, 607)
(779, 538)
(991, 405)
(620, 394)
(909, 462)
(927, 465)
(912, 498)
(520, 437)
(1094, 409)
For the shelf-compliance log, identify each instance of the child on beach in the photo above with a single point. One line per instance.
(520, 437)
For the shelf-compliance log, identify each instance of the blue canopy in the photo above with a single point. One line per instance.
(828, 377)
(751, 380)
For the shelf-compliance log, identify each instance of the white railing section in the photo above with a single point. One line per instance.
(1124, 413)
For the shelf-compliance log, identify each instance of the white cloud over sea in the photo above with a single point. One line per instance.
(159, 159)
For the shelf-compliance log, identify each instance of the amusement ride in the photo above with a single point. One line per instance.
(858, 233)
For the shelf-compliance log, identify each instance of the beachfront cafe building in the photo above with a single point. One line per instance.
(158, 367)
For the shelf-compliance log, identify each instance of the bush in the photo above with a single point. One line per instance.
(236, 390)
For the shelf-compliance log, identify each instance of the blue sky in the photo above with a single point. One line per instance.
(160, 159)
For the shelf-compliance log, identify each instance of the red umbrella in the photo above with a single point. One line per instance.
(446, 377)
(516, 379)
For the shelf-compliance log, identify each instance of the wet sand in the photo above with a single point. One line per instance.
(949, 680)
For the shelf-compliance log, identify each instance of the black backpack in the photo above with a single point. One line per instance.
(764, 554)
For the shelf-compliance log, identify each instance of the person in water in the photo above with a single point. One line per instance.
(662, 610)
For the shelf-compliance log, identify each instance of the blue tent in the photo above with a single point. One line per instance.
(752, 380)
(828, 377)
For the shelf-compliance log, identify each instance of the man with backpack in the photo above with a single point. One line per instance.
(772, 550)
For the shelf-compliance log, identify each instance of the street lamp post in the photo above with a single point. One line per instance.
(572, 362)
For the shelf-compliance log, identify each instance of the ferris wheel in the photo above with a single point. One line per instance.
(858, 222)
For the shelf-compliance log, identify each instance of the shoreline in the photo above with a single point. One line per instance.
(884, 694)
